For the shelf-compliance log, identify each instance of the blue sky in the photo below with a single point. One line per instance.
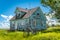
(7, 7)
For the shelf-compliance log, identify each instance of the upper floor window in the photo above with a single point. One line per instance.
(38, 14)
(18, 14)
(13, 24)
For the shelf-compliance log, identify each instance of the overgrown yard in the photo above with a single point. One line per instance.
(49, 34)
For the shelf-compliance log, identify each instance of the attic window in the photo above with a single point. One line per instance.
(25, 12)
(19, 14)
(37, 13)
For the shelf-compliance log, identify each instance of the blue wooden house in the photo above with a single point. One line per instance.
(24, 18)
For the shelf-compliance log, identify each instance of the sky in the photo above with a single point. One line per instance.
(7, 8)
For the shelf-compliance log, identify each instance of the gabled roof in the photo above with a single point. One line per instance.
(29, 12)
(13, 18)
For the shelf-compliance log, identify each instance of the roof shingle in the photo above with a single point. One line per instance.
(28, 12)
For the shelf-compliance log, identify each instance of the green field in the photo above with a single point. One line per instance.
(52, 33)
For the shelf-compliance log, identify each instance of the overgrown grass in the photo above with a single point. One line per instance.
(52, 29)
(52, 33)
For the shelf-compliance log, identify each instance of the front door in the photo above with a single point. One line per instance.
(18, 26)
(33, 21)
(36, 23)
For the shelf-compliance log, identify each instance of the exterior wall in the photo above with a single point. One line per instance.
(12, 25)
(40, 21)
(21, 24)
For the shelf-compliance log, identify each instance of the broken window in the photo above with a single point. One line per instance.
(38, 14)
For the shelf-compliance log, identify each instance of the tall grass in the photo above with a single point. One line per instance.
(49, 34)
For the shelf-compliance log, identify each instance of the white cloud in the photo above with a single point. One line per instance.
(4, 16)
(5, 23)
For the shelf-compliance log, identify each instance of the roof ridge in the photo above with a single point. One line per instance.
(28, 13)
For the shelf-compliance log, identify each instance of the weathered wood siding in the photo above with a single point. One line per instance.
(12, 25)
(38, 21)
(21, 24)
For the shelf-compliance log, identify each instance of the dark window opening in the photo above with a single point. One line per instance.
(38, 16)
(37, 13)
(19, 15)
(23, 15)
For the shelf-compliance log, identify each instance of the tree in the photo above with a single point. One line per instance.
(54, 5)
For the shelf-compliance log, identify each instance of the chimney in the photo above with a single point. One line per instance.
(26, 8)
